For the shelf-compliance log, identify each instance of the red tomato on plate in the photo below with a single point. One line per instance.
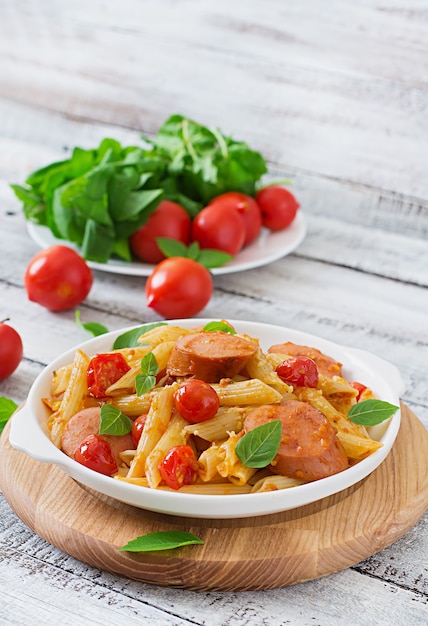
(360, 388)
(95, 453)
(278, 206)
(248, 210)
(11, 350)
(220, 228)
(58, 278)
(168, 220)
(178, 287)
(299, 371)
(137, 428)
(179, 467)
(104, 370)
(196, 401)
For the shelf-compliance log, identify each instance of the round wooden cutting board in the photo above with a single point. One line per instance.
(252, 553)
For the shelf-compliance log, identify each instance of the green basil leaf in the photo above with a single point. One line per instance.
(144, 383)
(161, 540)
(149, 365)
(258, 447)
(210, 258)
(92, 327)
(223, 326)
(371, 412)
(113, 421)
(130, 338)
(7, 409)
(171, 247)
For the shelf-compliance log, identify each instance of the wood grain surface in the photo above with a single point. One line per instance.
(244, 554)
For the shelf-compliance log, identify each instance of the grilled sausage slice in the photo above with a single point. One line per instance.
(210, 356)
(326, 364)
(309, 448)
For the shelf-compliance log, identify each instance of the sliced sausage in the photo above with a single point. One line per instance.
(326, 364)
(210, 356)
(309, 447)
(85, 423)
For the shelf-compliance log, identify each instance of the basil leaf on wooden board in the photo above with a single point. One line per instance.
(258, 447)
(113, 421)
(222, 326)
(130, 338)
(371, 412)
(7, 409)
(92, 327)
(161, 540)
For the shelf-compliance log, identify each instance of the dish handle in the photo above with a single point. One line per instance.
(26, 436)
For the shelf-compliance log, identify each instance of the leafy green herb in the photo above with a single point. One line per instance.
(113, 421)
(207, 257)
(223, 326)
(258, 447)
(161, 540)
(147, 379)
(7, 409)
(130, 338)
(371, 412)
(92, 327)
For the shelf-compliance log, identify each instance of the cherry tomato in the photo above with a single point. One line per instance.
(179, 287)
(58, 278)
(137, 428)
(94, 452)
(299, 371)
(10, 350)
(168, 220)
(218, 227)
(360, 388)
(104, 370)
(196, 401)
(247, 208)
(179, 467)
(278, 206)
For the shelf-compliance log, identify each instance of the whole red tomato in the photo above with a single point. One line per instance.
(10, 350)
(58, 278)
(95, 452)
(196, 401)
(179, 467)
(137, 428)
(168, 220)
(179, 287)
(218, 227)
(278, 206)
(247, 208)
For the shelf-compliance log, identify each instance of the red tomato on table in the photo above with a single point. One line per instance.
(247, 208)
(10, 350)
(58, 278)
(220, 228)
(168, 220)
(196, 401)
(178, 287)
(278, 206)
(104, 370)
(179, 467)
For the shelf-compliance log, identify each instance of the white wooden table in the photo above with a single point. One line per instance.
(335, 96)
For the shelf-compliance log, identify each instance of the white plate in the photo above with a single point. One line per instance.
(268, 247)
(29, 434)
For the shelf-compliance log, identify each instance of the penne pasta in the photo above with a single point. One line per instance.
(252, 391)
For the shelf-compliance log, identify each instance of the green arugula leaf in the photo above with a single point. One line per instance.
(130, 338)
(371, 412)
(147, 379)
(223, 326)
(7, 409)
(161, 540)
(258, 447)
(92, 327)
(113, 421)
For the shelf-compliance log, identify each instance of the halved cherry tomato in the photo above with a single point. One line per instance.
(94, 452)
(360, 388)
(247, 208)
(218, 227)
(179, 287)
(278, 206)
(168, 220)
(104, 370)
(299, 371)
(179, 467)
(58, 278)
(10, 350)
(196, 401)
(137, 428)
